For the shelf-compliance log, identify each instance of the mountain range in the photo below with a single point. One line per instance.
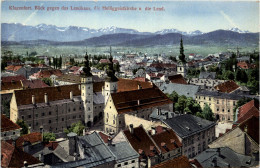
(49, 34)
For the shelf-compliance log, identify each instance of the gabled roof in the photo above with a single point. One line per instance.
(187, 124)
(141, 142)
(8, 125)
(129, 84)
(47, 73)
(13, 67)
(32, 138)
(177, 79)
(224, 157)
(123, 151)
(251, 127)
(166, 140)
(128, 101)
(247, 110)
(227, 87)
(179, 162)
(12, 78)
(11, 85)
(13, 157)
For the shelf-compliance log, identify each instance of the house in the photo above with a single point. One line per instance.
(137, 102)
(9, 130)
(207, 75)
(167, 141)
(180, 89)
(194, 133)
(179, 79)
(245, 65)
(205, 84)
(125, 155)
(13, 157)
(12, 78)
(160, 114)
(242, 139)
(224, 157)
(46, 74)
(221, 104)
(246, 111)
(227, 87)
(179, 162)
(144, 145)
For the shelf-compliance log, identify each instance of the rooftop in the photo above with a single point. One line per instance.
(12, 78)
(179, 162)
(187, 124)
(207, 75)
(177, 79)
(247, 110)
(32, 138)
(227, 87)
(8, 125)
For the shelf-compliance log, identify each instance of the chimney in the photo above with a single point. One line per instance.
(71, 95)
(72, 143)
(25, 163)
(158, 111)
(131, 128)
(214, 161)
(138, 102)
(46, 98)
(153, 131)
(109, 141)
(33, 99)
(139, 87)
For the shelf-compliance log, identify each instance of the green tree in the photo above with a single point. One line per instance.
(77, 128)
(207, 113)
(229, 75)
(47, 136)
(202, 69)
(24, 126)
(47, 81)
(117, 67)
(182, 56)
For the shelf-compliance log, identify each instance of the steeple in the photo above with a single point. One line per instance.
(86, 69)
(110, 71)
(182, 56)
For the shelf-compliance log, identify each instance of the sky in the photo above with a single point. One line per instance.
(205, 16)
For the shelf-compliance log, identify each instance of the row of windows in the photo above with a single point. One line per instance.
(126, 163)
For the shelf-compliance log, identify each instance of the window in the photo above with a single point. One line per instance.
(119, 122)
(133, 161)
(13, 133)
(49, 121)
(88, 116)
(223, 110)
(62, 119)
(50, 113)
(119, 165)
(36, 115)
(36, 123)
(42, 114)
(228, 110)
(209, 98)
(169, 155)
(113, 121)
(23, 117)
(126, 163)
(29, 116)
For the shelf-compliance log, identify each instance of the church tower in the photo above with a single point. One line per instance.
(111, 79)
(181, 67)
(87, 92)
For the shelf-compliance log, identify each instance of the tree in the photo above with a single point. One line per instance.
(202, 69)
(47, 136)
(77, 128)
(60, 62)
(182, 56)
(24, 126)
(229, 75)
(207, 113)
(47, 81)
(117, 67)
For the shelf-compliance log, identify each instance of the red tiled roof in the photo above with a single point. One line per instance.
(128, 101)
(141, 142)
(179, 162)
(32, 138)
(128, 85)
(252, 125)
(245, 65)
(47, 73)
(12, 78)
(13, 157)
(227, 87)
(104, 137)
(166, 139)
(52, 144)
(13, 67)
(247, 110)
(11, 85)
(177, 79)
(107, 61)
(141, 79)
(24, 97)
(8, 125)
(74, 68)
(37, 83)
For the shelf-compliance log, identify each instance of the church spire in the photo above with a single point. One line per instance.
(110, 71)
(86, 68)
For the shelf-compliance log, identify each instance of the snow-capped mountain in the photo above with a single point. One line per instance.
(235, 29)
(19, 32)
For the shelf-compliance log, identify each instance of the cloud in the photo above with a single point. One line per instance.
(231, 22)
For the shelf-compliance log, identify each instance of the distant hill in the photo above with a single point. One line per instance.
(218, 37)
